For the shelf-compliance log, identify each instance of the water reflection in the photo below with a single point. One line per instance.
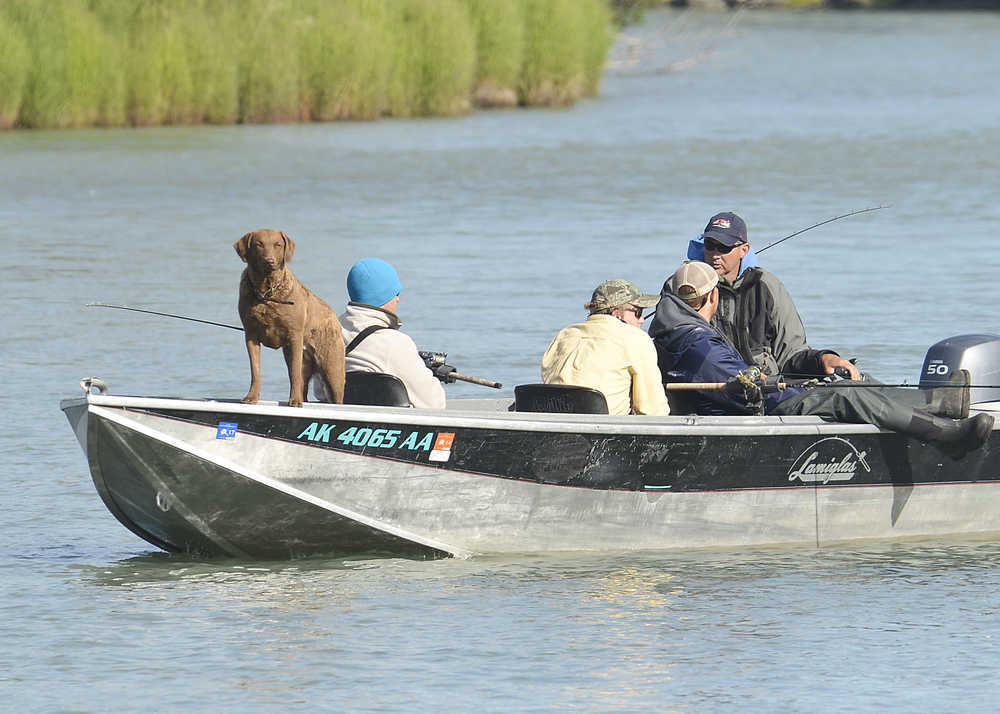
(158, 569)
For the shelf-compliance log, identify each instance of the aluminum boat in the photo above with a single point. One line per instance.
(222, 478)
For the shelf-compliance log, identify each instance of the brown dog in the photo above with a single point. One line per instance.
(279, 311)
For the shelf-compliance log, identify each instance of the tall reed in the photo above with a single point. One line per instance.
(345, 68)
(73, 77)
(67, 63)
(15, 62)
(565, 47)
(433, 58)
(500, 37)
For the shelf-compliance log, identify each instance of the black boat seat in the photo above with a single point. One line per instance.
(559, 398)
(375, 389)
(681, 402)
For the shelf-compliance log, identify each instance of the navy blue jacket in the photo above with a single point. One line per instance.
(690, 350)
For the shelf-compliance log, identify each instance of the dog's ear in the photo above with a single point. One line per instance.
(242, 245)
(289, 246)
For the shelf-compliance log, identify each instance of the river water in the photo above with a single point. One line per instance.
(501, 223)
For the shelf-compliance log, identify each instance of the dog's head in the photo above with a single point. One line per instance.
(265, 250)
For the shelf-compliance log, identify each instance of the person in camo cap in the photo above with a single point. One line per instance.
(610, 352)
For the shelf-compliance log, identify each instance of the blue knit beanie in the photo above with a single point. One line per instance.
(372, 281)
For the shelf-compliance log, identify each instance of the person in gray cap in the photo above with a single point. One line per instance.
(610, 352)
(690, 349)
(755, 310)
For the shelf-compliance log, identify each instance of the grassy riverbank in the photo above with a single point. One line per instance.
(74, 63)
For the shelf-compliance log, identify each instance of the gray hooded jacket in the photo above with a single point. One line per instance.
(757, 315)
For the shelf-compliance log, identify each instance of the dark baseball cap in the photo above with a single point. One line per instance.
(726, 228)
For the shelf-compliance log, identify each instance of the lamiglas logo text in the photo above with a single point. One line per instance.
(830, 459)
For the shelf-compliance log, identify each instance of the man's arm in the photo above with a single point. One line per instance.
(647, 383)
(788, 346)
(791, 351)
(424, 389)
(711, 358)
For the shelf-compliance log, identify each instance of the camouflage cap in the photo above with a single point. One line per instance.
(617, 292)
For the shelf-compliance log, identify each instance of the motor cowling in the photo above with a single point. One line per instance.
(979, 354)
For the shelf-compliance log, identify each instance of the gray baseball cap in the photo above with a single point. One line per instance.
(617, 292)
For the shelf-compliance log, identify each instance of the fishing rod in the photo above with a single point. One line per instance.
(813, 380)
(880, 385)
(780, 386)
(823, 223)
(163, 314)
(456, 375)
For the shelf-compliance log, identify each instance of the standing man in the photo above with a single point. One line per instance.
(692, 350)
(756, 313)
(610, 352)
(374, 341)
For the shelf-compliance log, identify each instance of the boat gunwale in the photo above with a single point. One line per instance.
(639, 425)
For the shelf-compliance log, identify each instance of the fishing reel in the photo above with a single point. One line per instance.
(749, 386)
(433, 359)
(435, 362)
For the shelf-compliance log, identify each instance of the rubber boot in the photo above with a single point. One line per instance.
(977, 430)
(951, 401)
(954, 437)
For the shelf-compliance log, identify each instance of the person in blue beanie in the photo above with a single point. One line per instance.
(756, 313)
(374, 341)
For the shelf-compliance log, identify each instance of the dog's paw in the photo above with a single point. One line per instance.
(295, 402)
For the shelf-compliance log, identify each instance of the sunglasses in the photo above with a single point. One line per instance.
(719, 247)
(637, 311)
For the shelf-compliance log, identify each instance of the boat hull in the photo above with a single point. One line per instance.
(269, 481)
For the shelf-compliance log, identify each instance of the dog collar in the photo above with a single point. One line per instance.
(266, 296)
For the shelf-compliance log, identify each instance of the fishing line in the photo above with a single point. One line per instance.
(822, 223)
(456, 375)
(163, 314)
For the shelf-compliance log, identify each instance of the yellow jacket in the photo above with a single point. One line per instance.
(617, 359)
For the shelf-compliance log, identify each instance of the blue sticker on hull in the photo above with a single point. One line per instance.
(227, 430)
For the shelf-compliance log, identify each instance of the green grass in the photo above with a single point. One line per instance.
(500, 37)
(565, 38)
(71, 63)
(15, 64)
(73, 76)
(344, 70)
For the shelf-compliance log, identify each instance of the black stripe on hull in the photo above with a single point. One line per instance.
(672, 463)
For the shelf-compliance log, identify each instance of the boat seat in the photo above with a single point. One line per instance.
(681, 403)
(375, 389)
(559, 398)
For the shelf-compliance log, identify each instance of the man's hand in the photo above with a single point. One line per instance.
(444, 373)
(747, 385)
(832, 361)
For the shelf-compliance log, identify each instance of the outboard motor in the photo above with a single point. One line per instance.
(979, 354)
